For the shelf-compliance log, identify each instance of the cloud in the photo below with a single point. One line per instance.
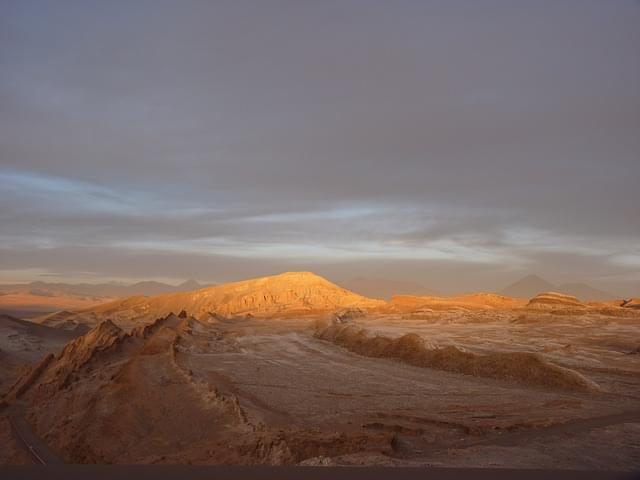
(341, 133)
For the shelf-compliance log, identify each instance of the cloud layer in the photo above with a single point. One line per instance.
(460, 144)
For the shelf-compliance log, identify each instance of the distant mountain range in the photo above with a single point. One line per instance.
(101, 290)
(28, 299)
(532, 285)
(36, 298)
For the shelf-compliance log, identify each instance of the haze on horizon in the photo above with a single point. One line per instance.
(459, 144)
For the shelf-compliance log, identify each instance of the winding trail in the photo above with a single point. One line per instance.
(37, 448)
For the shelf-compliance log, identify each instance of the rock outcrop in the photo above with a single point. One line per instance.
(554, 300)
(633, 303)
(517, 367)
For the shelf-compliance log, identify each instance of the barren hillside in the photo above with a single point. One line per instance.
(292, 293)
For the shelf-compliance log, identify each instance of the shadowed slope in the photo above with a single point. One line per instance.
(55, 372)
(24, 343)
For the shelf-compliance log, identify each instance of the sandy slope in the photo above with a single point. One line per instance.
(293, 293)
(23, 343)
(476, 301)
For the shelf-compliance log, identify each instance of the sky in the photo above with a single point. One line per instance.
(458, 144)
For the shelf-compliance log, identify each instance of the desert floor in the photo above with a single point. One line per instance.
(359, 410)
(285, 375)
